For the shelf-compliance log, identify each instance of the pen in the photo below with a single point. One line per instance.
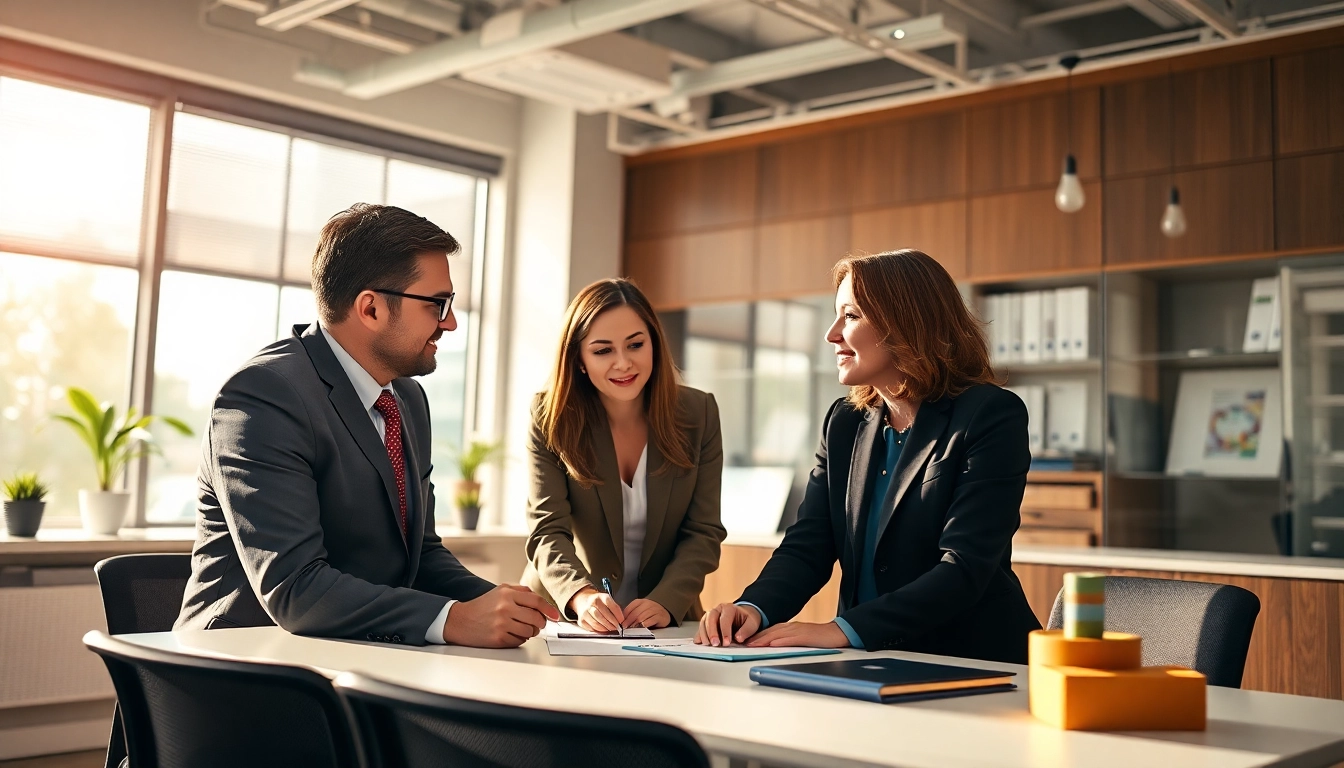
(606, 587)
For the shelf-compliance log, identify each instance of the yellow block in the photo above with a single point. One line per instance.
(1113, 650)
(1144, 699)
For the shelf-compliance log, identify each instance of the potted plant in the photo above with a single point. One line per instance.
(25, 499)
(114, 443)
(468, 491)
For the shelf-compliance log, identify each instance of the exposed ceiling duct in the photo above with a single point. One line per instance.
(546, 28)
(292, 14)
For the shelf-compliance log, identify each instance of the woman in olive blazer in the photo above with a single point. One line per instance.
(626, 466)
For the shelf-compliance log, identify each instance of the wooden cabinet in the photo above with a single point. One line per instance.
(1309, 201)
(680, 270)
(938, 229)
(1022, 144)
(1061, 508)
(1309, 100)
(1022, 234)
(1296, 646)
(1229, 210)
(908, 160)
(805, 177)
(694, 193)
(740, 565)
(1215, 115)
(794, 258)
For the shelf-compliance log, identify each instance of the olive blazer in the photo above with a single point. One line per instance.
(577, 535)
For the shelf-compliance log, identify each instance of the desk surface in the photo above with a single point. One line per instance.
(731, 715)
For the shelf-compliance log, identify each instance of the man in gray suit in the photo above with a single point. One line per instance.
(316, 508)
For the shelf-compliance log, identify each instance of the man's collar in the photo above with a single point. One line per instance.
(365, 385)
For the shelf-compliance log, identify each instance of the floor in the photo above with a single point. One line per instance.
(92, 759)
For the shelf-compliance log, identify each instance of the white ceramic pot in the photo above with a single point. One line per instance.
(103, 512)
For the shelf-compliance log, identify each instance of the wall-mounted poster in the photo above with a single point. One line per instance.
(1228, 423)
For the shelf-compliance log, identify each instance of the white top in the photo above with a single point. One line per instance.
(634, 516)
(369, 390)
(728, 714)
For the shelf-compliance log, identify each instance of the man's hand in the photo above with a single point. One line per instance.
(597, 611)
(505, 617)
(727, 623)
(643, 612)
(804, 634)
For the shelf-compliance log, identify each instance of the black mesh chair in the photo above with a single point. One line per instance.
(184, 711)
(1206, 627)
(141, 593)
(402, 728)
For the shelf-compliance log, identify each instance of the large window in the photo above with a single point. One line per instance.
(244, 204)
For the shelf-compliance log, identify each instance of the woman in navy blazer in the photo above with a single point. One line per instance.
(916, 489)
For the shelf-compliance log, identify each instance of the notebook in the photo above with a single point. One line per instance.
(884, 680)
(725, 653)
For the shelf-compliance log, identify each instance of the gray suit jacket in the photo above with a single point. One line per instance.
(297, 518)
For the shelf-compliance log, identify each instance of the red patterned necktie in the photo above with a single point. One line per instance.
(387, 405)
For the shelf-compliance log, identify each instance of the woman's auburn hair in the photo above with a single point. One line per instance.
(922, 321)
(570, 406)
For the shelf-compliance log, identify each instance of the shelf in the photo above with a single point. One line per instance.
(1210, 478)
(1325, 401)
(1201, 358)
(1325, 341)
(1054, 476)
(1090, 365)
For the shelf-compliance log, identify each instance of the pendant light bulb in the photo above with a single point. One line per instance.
(1069, 196)
(1173, 219)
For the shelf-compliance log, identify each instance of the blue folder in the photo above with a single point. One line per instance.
(884, 680)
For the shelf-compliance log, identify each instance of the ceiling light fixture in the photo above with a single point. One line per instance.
(899, 34)
(1069, 196)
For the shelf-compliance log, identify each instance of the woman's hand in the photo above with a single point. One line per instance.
(801, 634)
(597, 611)
(643, 612)
(727, 623)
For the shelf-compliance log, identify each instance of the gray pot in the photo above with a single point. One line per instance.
(23, 517)
(468, 517)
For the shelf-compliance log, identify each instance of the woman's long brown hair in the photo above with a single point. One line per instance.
(922, 321)
(570, 406)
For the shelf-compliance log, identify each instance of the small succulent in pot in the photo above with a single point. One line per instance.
(25, 501)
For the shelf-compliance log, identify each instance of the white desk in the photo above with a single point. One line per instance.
(732, 716)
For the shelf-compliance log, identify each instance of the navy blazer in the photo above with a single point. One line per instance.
(943, 557)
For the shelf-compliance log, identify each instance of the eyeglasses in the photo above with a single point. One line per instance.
(445, 302)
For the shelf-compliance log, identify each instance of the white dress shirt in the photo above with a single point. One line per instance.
(634, 517)
(369, 390)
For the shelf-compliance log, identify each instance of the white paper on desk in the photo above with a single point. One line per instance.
(566, 631)
(596, 647)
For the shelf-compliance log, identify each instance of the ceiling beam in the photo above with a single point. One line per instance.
(1221, 23)
(1070, 12)
(298, 12)
(1157, 14)
(857, 35)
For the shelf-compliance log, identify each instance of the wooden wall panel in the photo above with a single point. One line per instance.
(685, 195)
(740, 565)
(1309, 100)
(910, 160)
(1136, 126)
(938, 229)
(805, 177)
(1022, 233)
(794, 258)
(1223, 114)
(1229, 210)
(1309, 201)
(1022, 144)
(680, 270)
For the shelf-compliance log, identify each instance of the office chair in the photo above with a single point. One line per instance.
(141, 593)
(402, 728)
(1206, 627)
(184, 711)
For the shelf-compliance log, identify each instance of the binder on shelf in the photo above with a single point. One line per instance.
(1080, 302)
(1014, 327)
(1048, 333)
(1066, 416)
(1063, 323)
(1033, 396)
(1276, 322)
(1031, 327)
(1260, 314)
(995, 315)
